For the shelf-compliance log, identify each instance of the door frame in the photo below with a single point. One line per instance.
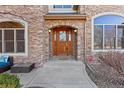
(75, 40)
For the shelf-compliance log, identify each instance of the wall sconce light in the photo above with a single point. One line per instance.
(75, 31)
(49, 31)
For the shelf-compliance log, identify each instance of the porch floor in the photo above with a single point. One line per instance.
(58, 74)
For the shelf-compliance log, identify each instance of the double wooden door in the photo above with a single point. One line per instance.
(62, 42)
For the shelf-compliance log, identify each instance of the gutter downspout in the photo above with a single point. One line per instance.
(84, 37)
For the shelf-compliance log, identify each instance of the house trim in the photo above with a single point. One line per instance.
(65, 16)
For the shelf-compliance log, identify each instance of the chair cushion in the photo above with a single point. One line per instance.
(3, 64)
(4, 58)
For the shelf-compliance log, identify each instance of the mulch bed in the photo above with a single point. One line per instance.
(105, 76)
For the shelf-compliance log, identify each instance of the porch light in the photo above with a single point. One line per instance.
(75, 31)
(49, 31)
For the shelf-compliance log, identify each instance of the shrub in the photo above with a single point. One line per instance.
(113, 59)
(9, 81)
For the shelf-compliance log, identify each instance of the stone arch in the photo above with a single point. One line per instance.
(12, 18)
(107, 13)
(58, 24)
(11, 24)
(68, 26)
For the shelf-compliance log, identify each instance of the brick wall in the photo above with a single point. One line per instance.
(33, 15)
(78, 24)
(93, 10)
(38, 35)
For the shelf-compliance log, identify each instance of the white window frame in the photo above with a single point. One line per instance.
(25, 38)
(92, 23)
(60, 10)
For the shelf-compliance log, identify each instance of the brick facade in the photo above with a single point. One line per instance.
(78, 24)
(33, 15)
(94, 10)
(38, 35)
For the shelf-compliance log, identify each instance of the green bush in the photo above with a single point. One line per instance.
(9, 81)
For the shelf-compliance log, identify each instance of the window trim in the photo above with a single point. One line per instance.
(25, 36)
(92, 32)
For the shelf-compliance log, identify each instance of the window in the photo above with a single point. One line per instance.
(108, 32)
(20, 41)
(109, 37)
(69, 36)
(12, 37)
(62, 6)
(120, 35)
(62, 36)
(98, 34)
(54, 36)
(8, 41)
(57, 6)
(63, 9)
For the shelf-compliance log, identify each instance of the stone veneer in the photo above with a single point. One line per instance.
(33, 15)
(38, 35)
(91, 11)
(78, 24)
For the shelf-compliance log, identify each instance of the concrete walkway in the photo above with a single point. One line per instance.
(58, 74)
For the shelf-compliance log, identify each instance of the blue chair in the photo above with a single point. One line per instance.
(5, 63)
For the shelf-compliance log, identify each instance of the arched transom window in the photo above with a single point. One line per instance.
(12, 37)
(108, 33)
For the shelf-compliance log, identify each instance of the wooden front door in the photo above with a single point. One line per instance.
(62, 42)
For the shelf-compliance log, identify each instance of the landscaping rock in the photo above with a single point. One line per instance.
(105, 76)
